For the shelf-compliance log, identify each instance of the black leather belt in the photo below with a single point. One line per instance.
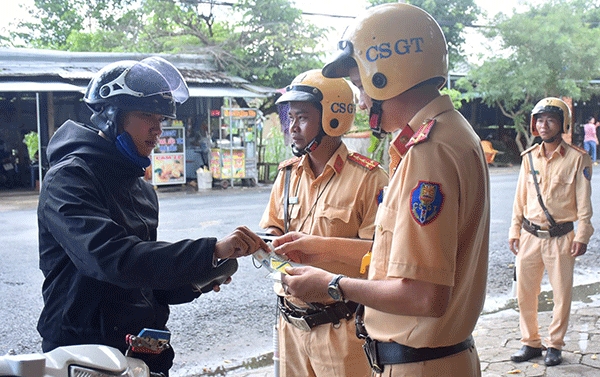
(306, 319)
(388, 353)
(554, 231)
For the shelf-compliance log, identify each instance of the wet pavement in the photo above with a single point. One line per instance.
(496, 334)
(497, 337)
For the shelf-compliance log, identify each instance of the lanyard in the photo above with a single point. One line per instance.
(539, 195)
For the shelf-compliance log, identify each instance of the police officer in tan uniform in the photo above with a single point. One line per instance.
(310, 195)
(427, 277)
(541, 233)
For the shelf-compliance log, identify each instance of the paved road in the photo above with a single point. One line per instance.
(233, 327)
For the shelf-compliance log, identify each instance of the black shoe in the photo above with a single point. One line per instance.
(525, 353)
(553, 357)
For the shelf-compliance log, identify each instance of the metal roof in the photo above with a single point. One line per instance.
(221, 91)
(33, 86)
(77, 68)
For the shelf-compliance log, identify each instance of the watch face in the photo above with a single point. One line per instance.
(334, 292)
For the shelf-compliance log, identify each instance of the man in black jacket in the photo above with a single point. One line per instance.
(106, 275)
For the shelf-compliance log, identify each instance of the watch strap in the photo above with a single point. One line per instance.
(335, 282)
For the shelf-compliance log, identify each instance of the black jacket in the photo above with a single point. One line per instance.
(105, 274)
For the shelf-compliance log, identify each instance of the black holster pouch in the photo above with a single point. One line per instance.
(370, 346)
(390, 353)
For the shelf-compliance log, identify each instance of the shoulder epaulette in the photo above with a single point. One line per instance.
(363, 161)
(577, 148)
(529, 149)
(422, 133)
(289, 162)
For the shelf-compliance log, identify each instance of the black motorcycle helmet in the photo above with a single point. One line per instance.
(152, 85)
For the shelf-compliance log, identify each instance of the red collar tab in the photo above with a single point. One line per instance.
(402, 140)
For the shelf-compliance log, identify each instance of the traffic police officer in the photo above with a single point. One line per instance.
(553, 191)
(311, 195)
(427, 277)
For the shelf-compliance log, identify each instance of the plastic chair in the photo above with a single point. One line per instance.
(490, 152)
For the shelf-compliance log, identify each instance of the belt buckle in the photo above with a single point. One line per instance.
(544, 234)
(370, 348)
(298, 322)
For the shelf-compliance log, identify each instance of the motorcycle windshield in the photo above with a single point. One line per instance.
(151, 76)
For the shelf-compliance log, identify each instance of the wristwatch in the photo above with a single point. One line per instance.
(334, 288)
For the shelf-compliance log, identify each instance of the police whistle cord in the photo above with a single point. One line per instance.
(147, 344)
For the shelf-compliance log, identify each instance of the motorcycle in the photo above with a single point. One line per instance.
(9, 170)
(95, 360)
(71, 361)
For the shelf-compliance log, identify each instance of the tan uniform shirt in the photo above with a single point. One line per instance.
(341, 202)
(433, 226)
(564, 181)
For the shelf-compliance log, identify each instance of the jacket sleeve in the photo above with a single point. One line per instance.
(75, 212)
(176, 296)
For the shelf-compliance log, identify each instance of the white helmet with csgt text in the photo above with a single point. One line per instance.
(334, 96)
(551, 105)
(395, 47)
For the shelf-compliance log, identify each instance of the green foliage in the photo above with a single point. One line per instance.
(274, 43)
(58, 20)
(453, 16)
(549, 50)
(269, 46)
(378, 148)
(275, 148)
(361, 121)
(31, 141)
(185, 27)
(457, 97)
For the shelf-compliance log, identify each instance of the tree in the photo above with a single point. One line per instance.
(549, 50)
(58, 20)
(275, 43)
(453, 16)
(269, 45)
(188, 26)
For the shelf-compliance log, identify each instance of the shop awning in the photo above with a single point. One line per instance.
(203, 91)
(222, 91)
(32, 86)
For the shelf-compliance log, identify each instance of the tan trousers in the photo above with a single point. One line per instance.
(462, 364)
(553, 255)
(324, 351)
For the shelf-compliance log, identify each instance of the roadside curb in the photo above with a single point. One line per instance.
(497, 337)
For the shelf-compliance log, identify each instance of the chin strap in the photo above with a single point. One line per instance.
(314, 144)
(126, 146)
(375, 119)
(553, 138)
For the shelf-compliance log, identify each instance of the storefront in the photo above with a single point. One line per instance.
(41, 89)
(233, 156)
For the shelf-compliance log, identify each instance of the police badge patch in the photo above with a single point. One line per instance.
(426, 202)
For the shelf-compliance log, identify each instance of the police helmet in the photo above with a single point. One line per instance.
(151, 85)
(396, 47)
(334, 95)
(551, 105)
